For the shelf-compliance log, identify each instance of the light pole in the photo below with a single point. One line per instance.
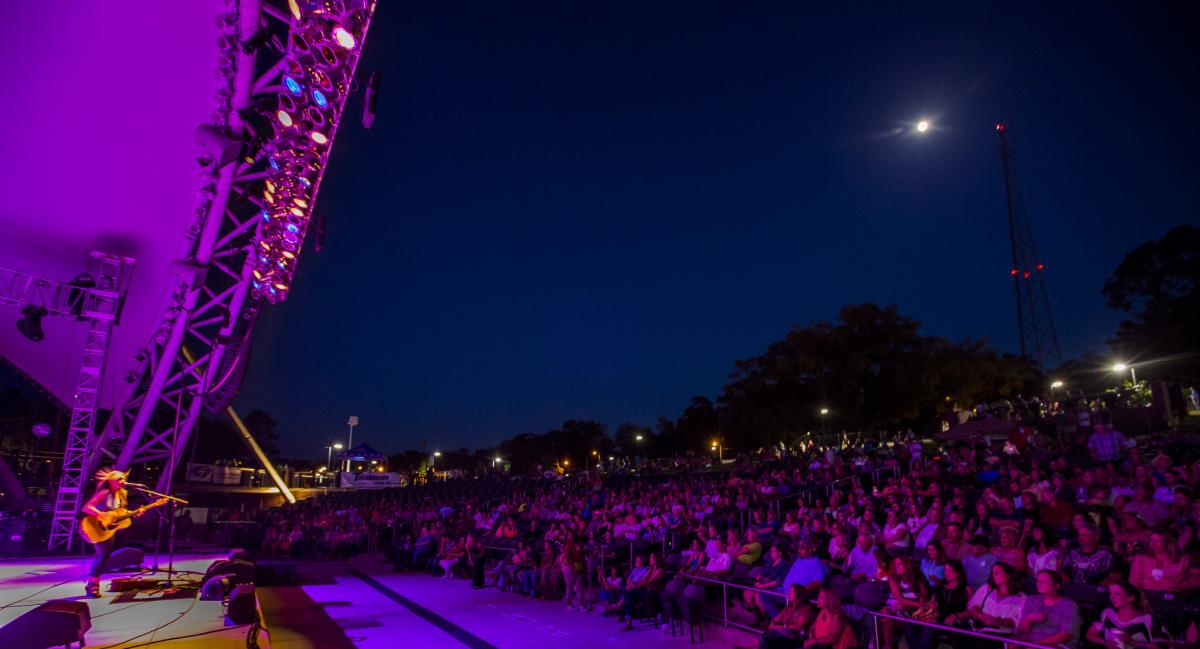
(720, 449)
(1121, 367)
(329, 449)
(350, 440)
(824, 414)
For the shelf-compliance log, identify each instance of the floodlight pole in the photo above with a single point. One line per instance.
(350, 441)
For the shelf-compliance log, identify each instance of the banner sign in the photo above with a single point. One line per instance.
(199, 472)
(227, 475)
(366, 480)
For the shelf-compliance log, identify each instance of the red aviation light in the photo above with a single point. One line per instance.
(1013, 272)
(1041, 266)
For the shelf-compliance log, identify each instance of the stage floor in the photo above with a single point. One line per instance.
(126, 619)
(378, 609)
(336, 605)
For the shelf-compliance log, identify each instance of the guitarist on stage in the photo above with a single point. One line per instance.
(110, 495)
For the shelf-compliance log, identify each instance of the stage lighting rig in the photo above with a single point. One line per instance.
(323, 49)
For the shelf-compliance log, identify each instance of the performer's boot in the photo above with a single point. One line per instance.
(93, 587)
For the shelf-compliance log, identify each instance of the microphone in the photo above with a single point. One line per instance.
(137, 484)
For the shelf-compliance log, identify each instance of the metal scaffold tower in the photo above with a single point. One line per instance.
(1035, 323)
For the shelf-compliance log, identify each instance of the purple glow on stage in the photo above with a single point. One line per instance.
(119, 177)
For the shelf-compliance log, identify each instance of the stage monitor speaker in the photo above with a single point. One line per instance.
(56, 623)
(239, 572)
(12, 536)
(125, 558)
(243, 605)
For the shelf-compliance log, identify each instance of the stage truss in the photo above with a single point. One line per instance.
(196, 356)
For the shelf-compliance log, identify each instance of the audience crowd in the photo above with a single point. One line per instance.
(1085, 539)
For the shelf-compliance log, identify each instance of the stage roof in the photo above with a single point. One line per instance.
(102, 100)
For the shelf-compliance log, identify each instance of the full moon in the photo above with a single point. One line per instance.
(923, 126)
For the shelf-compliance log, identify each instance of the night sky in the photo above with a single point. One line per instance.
(591, 210)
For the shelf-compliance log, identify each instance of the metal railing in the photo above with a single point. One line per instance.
(1006, 640)
(725, 586)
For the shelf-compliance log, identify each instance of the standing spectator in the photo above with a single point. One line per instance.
(475, 553)
(1106, 444)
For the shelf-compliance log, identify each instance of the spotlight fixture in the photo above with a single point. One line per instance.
(31, 324)
(343, 38)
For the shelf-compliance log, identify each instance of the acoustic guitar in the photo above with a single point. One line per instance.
(97, 529)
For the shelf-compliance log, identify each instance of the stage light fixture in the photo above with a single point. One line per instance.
(284, 118)
(294, 7)
(319, 137)
(343, 38)
(292, 85)
(319, 98)
(31, 324)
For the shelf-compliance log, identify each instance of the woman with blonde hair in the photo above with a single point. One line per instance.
(110, 495)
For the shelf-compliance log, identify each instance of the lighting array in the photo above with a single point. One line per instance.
(323, 48)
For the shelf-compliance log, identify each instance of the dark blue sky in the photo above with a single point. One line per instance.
(590, 210)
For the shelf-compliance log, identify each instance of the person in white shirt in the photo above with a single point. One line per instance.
(997, 605)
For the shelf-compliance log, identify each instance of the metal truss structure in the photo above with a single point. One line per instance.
(197, 356)
(100, 306)
(1035, 323)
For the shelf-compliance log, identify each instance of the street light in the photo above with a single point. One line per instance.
(824, 413)
(1121, 367)
(329, 449)
(719, 448)
(1056, 384)
(352, 422)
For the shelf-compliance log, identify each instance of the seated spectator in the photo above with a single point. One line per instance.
(612, 589)
(1049, 618)
(830, 629)
(1053, 509)
(897, 539)
(1130, 538)
(933, 565)
(953, 542)
(910, 597)
(996, 607)
(719, 563)
(928, 529)
(1152, 512)
(546, 573)
(1126, 623)
(638, 589)
(774, 570)
(806, 571)
(953, 594)
(1008, 551)
(751, 551)
(1089, 563)
(860, 563)
(1162, 566)
(978, 562)
(1043, 552)
(789, 629)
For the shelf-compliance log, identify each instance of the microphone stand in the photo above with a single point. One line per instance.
(170, 531)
